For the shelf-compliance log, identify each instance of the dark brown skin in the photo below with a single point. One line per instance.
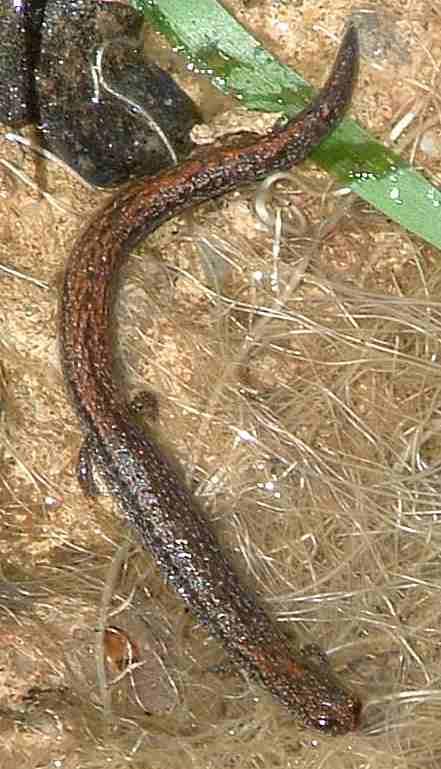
(166, 516)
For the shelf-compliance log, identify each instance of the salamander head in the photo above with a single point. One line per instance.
(307, 685)
(339, 715)
(325, 704)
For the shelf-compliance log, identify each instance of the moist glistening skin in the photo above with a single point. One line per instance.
(168, 519)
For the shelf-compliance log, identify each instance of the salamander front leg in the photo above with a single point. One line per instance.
(314, 653)
(146, 406)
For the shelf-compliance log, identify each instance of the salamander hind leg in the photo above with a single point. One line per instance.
(314, 653)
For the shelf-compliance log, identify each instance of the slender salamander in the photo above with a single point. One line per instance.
(166, 516)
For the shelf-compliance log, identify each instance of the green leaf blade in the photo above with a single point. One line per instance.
(221, 48)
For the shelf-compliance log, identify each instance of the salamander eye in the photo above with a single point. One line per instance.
(338, 719)
(331, 725)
